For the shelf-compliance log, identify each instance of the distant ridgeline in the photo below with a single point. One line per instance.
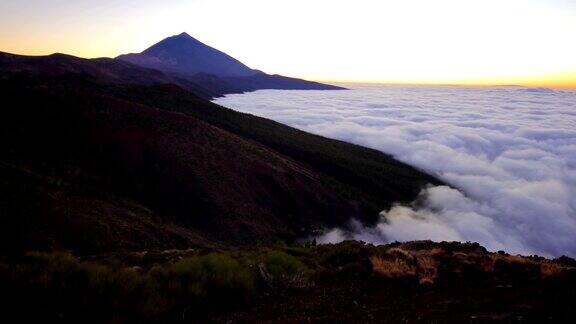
(214, 71)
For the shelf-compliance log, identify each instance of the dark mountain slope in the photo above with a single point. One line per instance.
(96, 160)
(98, 70)
(189, 58)
(381, 180)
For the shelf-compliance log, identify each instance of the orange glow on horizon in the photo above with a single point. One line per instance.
(568, 82)
(558, 80)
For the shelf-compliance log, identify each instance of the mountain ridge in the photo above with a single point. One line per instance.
(187, 57)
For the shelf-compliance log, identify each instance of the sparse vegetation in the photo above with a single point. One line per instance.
(393, 268)
(553, 270)
(172, 285)
(401, 263)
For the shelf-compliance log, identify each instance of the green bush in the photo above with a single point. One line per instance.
(211, 277)
(345, 255)
(59, 286)
(280, 270)
(280, 263)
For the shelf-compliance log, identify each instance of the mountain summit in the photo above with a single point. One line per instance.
(219, 72)
(184, 54)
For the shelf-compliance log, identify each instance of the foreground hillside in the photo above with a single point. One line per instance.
(101, 155)
(417, 282)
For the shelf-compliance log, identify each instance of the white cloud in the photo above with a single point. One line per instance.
(511, 151)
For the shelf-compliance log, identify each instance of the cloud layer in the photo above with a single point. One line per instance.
(511, 152)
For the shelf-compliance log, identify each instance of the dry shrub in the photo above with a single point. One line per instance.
(427, 270)
(437, 251)
(400, 253)
(426, 281)
(460, 255)
(551, 270)
(515, 259)
(489, 263)
(392, 268)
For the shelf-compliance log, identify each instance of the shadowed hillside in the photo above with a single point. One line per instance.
(100, 155)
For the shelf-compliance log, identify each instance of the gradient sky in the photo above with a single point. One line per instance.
(529, 42)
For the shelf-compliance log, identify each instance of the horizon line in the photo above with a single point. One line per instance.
(570, 85)
(551, 85)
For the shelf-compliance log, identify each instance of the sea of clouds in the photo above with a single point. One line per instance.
(509, 154)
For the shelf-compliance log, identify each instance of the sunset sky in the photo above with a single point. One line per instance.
(529, 42)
